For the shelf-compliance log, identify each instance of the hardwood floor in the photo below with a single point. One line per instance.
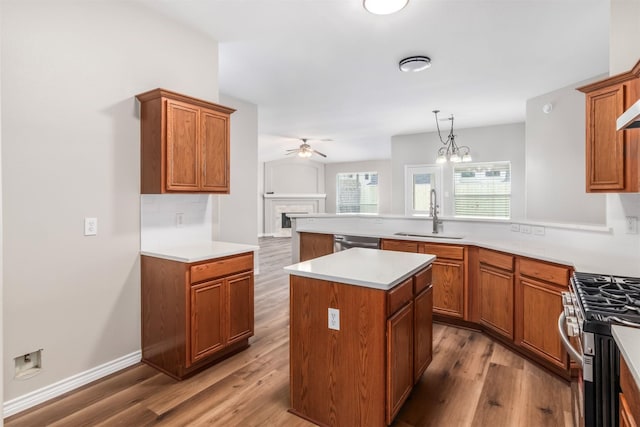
(472, 381)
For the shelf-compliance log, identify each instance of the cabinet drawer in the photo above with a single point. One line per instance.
(444, 251)
(496, 259)
(422, 280)
(221, 267)
(399, 296)
(400, 245)
(542, 270)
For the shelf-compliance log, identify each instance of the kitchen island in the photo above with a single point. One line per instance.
(360, 334)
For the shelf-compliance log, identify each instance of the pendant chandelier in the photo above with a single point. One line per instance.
(450, 151)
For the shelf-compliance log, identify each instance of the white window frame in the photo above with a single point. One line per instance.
(481, 165)
(409, 171)
(338, 193)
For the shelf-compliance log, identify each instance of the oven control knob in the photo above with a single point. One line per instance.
(573, 330)
(569, 311)
(566, 298)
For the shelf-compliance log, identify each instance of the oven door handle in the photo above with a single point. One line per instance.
(565, 340)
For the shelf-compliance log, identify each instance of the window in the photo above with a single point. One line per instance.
(357, 192)
(419, 181)
(482, 190)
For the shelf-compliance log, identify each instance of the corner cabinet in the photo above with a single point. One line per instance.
(612, 157)
(194, 314)
(184, 144)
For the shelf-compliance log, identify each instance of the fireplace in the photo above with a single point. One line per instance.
(285, 220)
(278, 206)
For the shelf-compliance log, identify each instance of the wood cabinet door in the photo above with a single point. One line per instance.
(214, 142)
(422, 332)
(183, 153)
(207, 325)
(448, 287)
(496, 299)
(605, 153)
(240, 307)
(399, 359)
(540, 305)
(314, 245)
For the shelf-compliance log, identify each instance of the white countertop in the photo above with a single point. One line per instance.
(628, 340)
(587, 259)
(198, 251)
(370, 268)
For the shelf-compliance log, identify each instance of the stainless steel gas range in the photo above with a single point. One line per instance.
(594, 303)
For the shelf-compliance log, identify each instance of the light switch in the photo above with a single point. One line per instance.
(334, 319)
(90, 226)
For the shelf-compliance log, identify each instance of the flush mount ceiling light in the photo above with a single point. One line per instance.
(384, 7)
(450, 150)
(415, 63)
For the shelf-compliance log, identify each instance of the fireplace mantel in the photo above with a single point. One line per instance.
(286, 196)
(275, 204)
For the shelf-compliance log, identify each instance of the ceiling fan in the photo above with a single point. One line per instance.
(305, 149)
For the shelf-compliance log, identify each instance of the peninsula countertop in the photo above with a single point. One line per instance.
(371, 268)
(198, 251)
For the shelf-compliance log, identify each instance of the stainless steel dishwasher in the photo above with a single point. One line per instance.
(343, 242)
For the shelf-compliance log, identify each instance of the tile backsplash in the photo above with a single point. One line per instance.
(159, 224)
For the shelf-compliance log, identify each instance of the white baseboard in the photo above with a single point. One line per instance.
(39, 396)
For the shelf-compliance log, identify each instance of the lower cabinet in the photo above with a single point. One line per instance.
(514, 298)
(538, 305)
(361, 374)
(449, 274)
(399, 359)
(496, 286)
(629, 397)
(194, 314)
(314, 245)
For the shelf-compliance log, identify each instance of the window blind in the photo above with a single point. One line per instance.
(357, 192)
(482, 190)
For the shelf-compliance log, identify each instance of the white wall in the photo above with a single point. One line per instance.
(70, 134)
(555, 153)
(237, 210)
(383, 167)
(294, 175)
(260, 198)
(487, 144)
(624, 33)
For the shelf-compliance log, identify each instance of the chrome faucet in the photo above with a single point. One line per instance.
(433, 208)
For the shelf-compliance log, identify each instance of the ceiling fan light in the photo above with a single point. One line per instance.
(413, 64)
(384, 7)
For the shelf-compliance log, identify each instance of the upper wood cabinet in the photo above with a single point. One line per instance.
(612, 157)
(184, 144)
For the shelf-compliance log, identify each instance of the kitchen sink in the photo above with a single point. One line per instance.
(428, 235)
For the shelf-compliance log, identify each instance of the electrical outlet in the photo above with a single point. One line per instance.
(334, 319)
(538, 231)
(526, 229)
(90, 226)
(631, 225)
(179, 220)
(515, 227)
(28, 365)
